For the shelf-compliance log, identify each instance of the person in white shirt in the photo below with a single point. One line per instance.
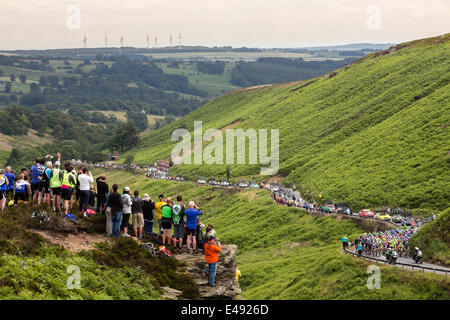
(126, 211)
(85, 188)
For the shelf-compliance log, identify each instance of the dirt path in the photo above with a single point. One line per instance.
(72, 242)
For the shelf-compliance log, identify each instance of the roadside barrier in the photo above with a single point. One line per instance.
(405, 265)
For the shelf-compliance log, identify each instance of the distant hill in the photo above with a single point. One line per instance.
(354, 47)
(376, 133)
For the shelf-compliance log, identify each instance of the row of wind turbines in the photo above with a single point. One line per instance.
(155, 41)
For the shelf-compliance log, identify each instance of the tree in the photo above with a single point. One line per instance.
(169, 119)
(53, 81)
(139, 119)
(23, 78)
(12, 77)
(35, 89)
(129, 159)
(42, 80)
(14, 156)
(8, 86)
(125, 136)
(228, 173)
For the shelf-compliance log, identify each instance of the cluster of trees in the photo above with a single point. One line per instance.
(93, 117)
(5, 99)
(216, 67)
(72, 136)
(21, 63)
(138, 118)
(126, 84)
(126, 70)
(276, 70)
(12, 122)
(174, 64)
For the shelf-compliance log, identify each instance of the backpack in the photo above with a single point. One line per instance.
(177, 209)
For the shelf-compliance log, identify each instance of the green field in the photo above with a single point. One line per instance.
(374, 134)
(122, 116)
(285, 253)
(213, 84)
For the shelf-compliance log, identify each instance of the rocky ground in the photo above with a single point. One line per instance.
(226, 287)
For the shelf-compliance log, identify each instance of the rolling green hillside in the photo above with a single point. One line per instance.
(376, 133)
(285, 253)
(434, 239)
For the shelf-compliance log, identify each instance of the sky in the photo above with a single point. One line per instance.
(48, 24)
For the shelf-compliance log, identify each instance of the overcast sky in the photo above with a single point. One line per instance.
(41, 24)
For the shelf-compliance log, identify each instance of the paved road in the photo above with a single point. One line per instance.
(414, 266)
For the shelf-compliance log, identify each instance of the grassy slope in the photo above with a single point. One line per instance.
(285, 253)
(44, 276)
(377, 133)
(434, 239)
(32, 268)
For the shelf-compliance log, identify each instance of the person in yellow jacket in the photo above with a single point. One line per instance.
(56, 178)
(67, 187)
(158, 207)
(237, 275)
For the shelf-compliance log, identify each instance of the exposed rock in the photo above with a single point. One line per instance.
(226, 286)
(170, 293)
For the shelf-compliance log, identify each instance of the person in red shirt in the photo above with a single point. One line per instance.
(211, 257)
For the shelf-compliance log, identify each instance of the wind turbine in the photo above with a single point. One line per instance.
(106, 41)
(156, 41)
(179, 38)
(171, 40)
(148, 41)
(121, 45)
(84, 40)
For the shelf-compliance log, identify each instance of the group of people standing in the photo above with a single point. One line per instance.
(175, 223)
(46, 182)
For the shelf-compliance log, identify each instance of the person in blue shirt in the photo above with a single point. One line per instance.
(360, 248)
(34, 177)
(11, 180)
(22, 189)
(344, 242)
(37, 184)
(3, 185)
(191, 225)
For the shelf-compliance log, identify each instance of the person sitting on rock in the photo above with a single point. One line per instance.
(211, 257)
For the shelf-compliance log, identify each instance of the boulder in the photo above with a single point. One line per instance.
(226, 287)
